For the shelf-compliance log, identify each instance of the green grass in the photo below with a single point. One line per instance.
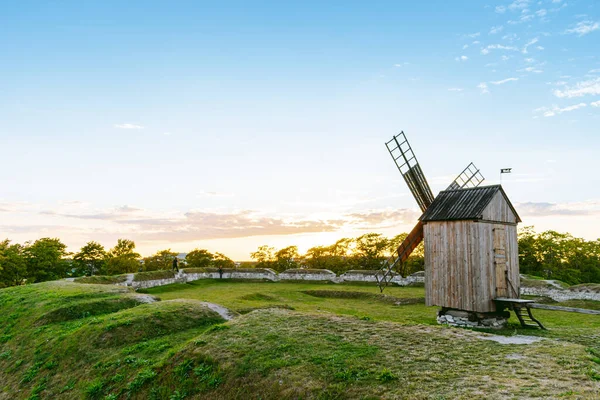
(292, 341)
(102, 279)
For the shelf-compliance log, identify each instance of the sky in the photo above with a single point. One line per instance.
(228, 125)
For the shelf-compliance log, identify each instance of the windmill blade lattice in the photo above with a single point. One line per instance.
(409, 167)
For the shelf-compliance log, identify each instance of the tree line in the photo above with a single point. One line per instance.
(548, 254)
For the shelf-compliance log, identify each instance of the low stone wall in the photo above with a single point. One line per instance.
(259, 274)
(560, 295)
(314, 275)
(309, 275)
(157, 282)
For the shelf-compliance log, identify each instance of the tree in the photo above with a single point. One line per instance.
(122, 258)
(91, 259)
(222, 261)
(45, 260)
(199, 258)
(371, 249)
(264, 256)
(287, 258)
(163, 259)
(13, 269)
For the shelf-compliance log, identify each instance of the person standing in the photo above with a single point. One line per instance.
(175, 262)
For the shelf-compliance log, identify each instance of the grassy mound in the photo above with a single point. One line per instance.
(148, 321)
(65, 340)
(102, 279)
(267, 307)
(84, 309)
(258, 296)
(346, 294)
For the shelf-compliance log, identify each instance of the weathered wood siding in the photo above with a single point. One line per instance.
(499, 210)
(460, 267)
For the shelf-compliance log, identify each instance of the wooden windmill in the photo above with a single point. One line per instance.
(471, 250)
(409, 167)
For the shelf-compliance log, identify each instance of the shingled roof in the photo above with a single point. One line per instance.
(463, 204)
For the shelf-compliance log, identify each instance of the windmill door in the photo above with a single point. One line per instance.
(500, 262)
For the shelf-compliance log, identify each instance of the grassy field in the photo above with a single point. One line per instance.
(289, 341)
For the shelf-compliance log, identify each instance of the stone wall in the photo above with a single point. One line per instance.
(315, 275)
(560, 295)
(320, 275)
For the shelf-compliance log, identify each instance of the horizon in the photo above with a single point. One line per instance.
(227, 127)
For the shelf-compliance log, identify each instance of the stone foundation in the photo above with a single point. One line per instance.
(470, 319)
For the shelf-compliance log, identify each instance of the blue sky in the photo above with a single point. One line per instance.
(227, 125)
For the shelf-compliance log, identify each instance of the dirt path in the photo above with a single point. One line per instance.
(222, 311)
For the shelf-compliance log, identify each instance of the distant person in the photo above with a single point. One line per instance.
(175, 267)
(220, 272)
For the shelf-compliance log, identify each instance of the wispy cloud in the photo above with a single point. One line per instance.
(496, 29)
(473, 35)
(595, 103)
(529, 43)
(518, 5)
(583, 28)
(531, 69)
(589, 87)
(532, 209)
(483, 87)
(455, 90)
(402, 64)
(503, 81)
(554, 110)
(462, 58)
(128, 126)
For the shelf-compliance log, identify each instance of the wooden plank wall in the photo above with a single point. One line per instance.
(499, 210)
(459, 264)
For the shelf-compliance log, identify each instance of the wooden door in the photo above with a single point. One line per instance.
(500, 261)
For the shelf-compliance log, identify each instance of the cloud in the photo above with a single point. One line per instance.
(532, 41)
(487, 49)
(128, 126)
(384, 218)
(503, 81)
(455, 90)
(533, 209)
(594, 71)
(462, 58)
(583, 28)
(554, 110)
(496, 29)
(518, 5)
(595, 104)
(473, 35)
(500, 9)
(531, 69)
(583, 88)
(201, 225)
(483, 87)
(402, 64)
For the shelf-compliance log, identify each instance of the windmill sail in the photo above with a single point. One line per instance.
(415, 179)
(409, 167)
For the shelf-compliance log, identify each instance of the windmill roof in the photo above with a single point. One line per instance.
(463, 204)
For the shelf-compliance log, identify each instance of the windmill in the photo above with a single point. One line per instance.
(411, 171)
